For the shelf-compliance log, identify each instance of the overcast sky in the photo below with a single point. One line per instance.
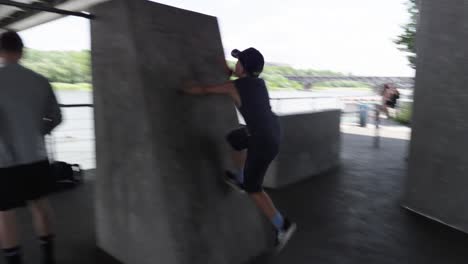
(342, 35)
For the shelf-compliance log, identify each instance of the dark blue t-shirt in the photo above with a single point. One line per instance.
(255, 107)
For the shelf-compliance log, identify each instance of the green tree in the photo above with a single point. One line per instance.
(60, 66)
(406, 41)
(71, 69)
(275, 75)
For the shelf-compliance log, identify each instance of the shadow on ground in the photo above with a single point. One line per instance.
(74, 225)
(348, 216)
(353, 215)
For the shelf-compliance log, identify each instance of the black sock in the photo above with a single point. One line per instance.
(47, 247)
(13, 255)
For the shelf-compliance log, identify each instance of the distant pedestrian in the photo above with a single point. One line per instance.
(390, 95)
(28, 111)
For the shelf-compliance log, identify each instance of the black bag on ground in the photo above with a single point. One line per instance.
(66, 175)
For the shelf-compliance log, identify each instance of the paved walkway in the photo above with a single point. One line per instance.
(348, 216)
(353, 215)
(388, 128)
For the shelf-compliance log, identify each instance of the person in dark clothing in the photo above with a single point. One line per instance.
(257, 144)
(28, 111)
(390, 95)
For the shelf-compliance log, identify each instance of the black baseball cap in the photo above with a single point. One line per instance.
(251, 59)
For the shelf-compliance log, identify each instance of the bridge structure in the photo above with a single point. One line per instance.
(400, 82)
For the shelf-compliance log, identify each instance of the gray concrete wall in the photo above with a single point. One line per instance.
(438, 165)
(311, 145)
(160, 155)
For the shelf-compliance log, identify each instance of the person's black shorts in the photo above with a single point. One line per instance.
(260, 154)
(23, 183)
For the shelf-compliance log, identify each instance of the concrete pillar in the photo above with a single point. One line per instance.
(438, 165)
(160, 155)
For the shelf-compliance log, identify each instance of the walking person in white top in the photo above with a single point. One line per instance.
(28, 111)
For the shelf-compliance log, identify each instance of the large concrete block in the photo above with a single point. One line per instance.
(438, 165)
(160, 155)
(311, 145)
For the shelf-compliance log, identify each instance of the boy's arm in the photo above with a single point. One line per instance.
(227, 88)
(226, 67)
(53, 115)
(223, 88)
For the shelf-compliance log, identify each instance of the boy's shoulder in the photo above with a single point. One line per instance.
(23, 71)
(34, 74)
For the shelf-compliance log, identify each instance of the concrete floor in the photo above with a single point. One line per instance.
(351, 215)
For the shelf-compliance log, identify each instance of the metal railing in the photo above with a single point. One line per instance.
(73, 141)
(348, 105)
(352, 113)
(292, 105)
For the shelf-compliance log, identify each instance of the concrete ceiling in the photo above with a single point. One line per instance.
(14, 18)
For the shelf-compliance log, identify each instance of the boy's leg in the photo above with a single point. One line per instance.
(11, 197)
(258, 161)
(385, 110)
(41, 184)
(8, 229)
(238, 140)
(9, 237)
(238, 159)
(265, 204)
(284, 228)
(42, 219)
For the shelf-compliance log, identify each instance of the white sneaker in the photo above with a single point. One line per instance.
(285, 235)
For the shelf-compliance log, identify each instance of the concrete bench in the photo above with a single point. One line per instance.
(311, 145)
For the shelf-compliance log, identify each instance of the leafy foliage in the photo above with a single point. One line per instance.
(404, 113)
(343, 84)
(71, 70)
(60, 66)
(72, 86)
(275, 76)
(406, 41)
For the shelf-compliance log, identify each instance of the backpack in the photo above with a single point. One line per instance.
(66, 175)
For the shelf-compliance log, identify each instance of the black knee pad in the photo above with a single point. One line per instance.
(238, 138)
